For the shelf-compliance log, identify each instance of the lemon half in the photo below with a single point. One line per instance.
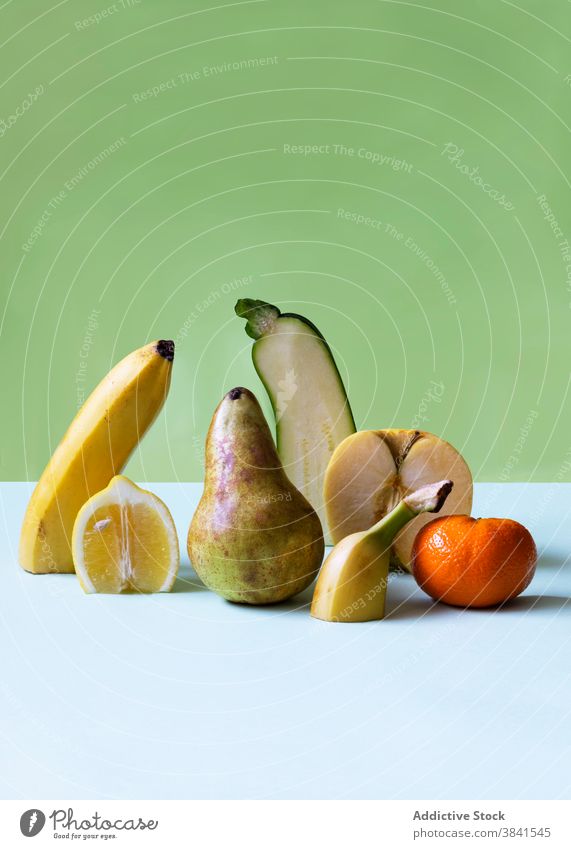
(124, 540)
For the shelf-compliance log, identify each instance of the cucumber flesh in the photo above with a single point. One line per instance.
(312, 412)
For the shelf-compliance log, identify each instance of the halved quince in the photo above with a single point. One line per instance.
(371, 471)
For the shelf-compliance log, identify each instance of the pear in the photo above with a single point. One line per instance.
(254, 538)
(352, 584)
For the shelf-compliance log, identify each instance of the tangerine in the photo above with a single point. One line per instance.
(470, 562)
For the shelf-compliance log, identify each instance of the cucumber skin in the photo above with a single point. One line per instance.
(251, 310)
(268, 388)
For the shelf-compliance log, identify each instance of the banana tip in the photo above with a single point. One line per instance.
(165, 347)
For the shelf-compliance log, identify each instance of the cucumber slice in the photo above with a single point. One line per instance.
(312, 412)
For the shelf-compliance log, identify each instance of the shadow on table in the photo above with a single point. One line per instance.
(538, 602)
(187, 581)
(416, 608)
(300, 603)
(406, 601)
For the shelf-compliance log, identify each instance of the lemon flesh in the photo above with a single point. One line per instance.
(124, 540)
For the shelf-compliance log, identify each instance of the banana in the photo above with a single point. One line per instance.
(95, 447)
(352, 583)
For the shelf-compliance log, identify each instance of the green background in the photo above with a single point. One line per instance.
(202, 201)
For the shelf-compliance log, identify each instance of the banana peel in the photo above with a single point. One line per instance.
(96, 447)
(352, 583)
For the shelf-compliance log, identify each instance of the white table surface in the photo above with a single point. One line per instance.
(184, 695)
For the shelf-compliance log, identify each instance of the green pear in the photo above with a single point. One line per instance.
(254, 538)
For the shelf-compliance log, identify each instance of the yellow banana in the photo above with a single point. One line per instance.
(96, 446)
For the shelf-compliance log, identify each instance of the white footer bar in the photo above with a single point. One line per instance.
(286, 824)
